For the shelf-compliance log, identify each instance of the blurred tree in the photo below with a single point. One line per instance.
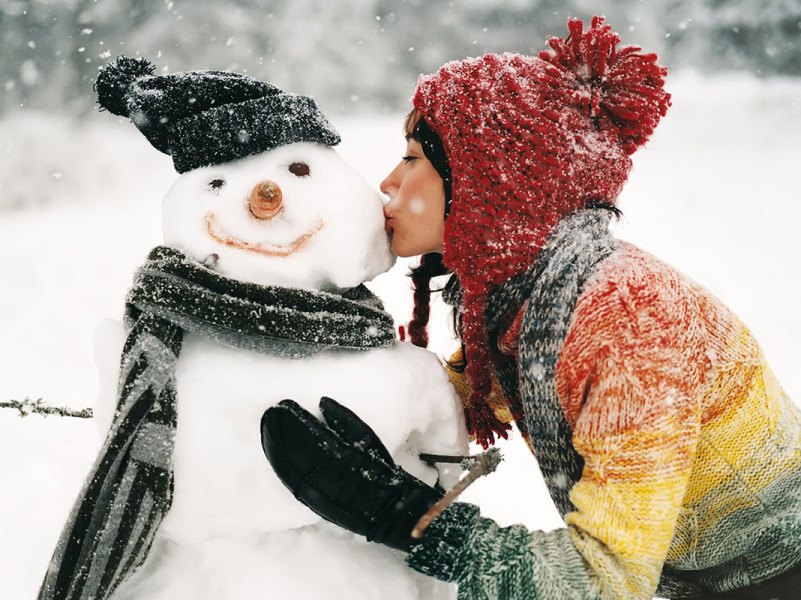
(762, 36)
(358, 54)
(335, 51)
(52, 48)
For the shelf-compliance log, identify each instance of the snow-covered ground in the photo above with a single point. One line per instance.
(716, 193)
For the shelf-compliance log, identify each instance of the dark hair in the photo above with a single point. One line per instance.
(431, 265)
(418, 129)
(606, 205)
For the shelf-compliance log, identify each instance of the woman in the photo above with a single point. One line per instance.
(666, 442)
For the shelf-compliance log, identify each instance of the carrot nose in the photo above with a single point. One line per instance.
(265, 200)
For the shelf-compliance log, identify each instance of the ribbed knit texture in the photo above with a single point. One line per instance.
(203, 118)
(690, 450)
(529, 141)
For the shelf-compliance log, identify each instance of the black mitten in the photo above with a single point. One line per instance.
(341, 470)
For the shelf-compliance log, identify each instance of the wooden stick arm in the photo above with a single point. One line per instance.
(482, 464)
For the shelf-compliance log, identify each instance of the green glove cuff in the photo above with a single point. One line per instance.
(438, 553)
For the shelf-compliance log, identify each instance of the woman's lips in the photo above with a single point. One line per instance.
(387, 220)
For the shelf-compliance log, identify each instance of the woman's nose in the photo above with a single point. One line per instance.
(389, 186)
(265, 200)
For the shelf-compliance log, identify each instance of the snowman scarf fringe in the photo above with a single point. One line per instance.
(129, 490)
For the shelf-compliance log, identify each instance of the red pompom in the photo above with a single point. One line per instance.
(620, 86)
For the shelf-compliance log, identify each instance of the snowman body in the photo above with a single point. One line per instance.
(233, 530)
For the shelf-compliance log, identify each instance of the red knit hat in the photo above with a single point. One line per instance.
(529, 141)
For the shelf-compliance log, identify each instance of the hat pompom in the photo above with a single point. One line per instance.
(623, 88)
(114, 79)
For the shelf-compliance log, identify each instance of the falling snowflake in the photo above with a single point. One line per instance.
(537, 369)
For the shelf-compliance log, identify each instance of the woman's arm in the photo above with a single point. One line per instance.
(634, 368)
(627, 503)
(489, 562)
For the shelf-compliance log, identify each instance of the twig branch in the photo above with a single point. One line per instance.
(483, 464)
(432, 459)
(28, 406)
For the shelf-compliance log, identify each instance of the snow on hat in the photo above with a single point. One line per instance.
(203, 118)
(529, 141)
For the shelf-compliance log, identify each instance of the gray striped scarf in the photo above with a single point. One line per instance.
(551, 287)
(129, 489)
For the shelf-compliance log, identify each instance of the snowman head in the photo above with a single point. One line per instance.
(262, 197)
(297, 216)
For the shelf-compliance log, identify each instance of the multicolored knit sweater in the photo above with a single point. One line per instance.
(666, 442)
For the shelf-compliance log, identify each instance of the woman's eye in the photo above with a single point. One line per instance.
(408, 158)
(216, 184)
(300, 169)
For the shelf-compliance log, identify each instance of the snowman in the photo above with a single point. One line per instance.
(255, 296)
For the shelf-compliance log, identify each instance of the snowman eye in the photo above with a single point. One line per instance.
(216, 184)
(301, 169)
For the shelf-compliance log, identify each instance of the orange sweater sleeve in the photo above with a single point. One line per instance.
(630, 379)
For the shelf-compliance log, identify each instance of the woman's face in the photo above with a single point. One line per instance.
(415, 213)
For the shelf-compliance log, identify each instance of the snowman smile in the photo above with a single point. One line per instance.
(221, 236)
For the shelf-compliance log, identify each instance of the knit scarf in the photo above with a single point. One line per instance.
(129, 488)
(551, 286)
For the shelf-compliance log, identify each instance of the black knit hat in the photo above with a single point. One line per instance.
(203, 118)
